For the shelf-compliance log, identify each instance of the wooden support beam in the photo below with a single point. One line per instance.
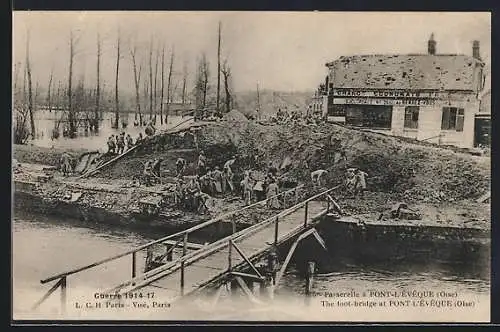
(290, 254)
(247, 291)
(319, 239)
(63, 294)
(248, 275)
(49, 292)
(245, 258)
(189, 245)
(217, 295)
(305, 214)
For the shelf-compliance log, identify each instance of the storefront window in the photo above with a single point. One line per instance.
(369, 116)
(411, 117)
(453, 119)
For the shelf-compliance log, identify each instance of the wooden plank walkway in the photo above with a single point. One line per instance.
(216, 263)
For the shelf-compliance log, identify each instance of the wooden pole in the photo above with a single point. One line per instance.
(169, 253)
(184, 248)
(276, 231)
(305, 214)
(133, 264)
(63, 294)
(229, 255)
(309, 280)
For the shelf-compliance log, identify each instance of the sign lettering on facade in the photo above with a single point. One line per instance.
(379, 101)
(384, 93)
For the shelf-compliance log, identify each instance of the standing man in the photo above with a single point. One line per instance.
(217, 178)
(120, 143)
(229, 172)
(202, 163)
(246, 186)
(111, 144)
(316, 177)
(180, 165)
(360, 184)
(272, 193)
(156, 167)
(130, 142)
(147, 173)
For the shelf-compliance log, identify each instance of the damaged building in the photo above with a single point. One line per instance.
(431, 97)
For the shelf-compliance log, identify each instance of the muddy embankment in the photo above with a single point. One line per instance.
(441, 183)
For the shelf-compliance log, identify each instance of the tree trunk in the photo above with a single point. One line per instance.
(162, 83)
(151, 80)
(30, 87)
(155, 89)
(218, 69)
(137, 78)
(49, 99)
(71, 115)
(169, 84)
(98, 89)
(117, 103)
(184, 80)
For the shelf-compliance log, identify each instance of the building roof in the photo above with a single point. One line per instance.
(412, 71)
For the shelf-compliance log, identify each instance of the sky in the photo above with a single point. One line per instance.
(284, 51)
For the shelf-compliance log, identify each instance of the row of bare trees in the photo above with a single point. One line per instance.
(85, 103)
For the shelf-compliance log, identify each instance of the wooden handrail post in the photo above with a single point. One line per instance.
(229, 255)
(63, 294)
(276, 231)
(328, 204)
(184, 250)
(305, 214)
(133, 264)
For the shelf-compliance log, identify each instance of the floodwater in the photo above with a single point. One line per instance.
(44, 246)
(45, 122)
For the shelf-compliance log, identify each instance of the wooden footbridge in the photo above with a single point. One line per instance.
(230, 258)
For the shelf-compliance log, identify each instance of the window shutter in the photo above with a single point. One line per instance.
(445, 120)
(460, 120)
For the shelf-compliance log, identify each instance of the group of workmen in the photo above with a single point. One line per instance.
(194, 193)
(118, 144)
(355, 182)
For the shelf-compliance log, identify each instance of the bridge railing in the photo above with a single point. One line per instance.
(177, 238)
(227, 242)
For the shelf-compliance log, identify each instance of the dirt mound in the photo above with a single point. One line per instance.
(406, 171)
(45, 156)
(235, 116)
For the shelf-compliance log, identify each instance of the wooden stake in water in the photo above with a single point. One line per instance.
(309, 280)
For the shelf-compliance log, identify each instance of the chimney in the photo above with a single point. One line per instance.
(431, 45)
(475, 50)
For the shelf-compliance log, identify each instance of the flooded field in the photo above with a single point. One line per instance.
(45, 122)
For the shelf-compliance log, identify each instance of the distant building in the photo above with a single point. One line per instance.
(431, 97)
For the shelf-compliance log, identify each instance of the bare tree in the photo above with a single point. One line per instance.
(162, 82)
(117, 102)
(218, 67)
(226, 73)
(30, 92)
(201, 86)
(151, 79)
(184, 82)
(137, 79)
(71, 114)
(98, 88)
(155, 96)
(146, 94)
(169, 84)
(49, 99)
